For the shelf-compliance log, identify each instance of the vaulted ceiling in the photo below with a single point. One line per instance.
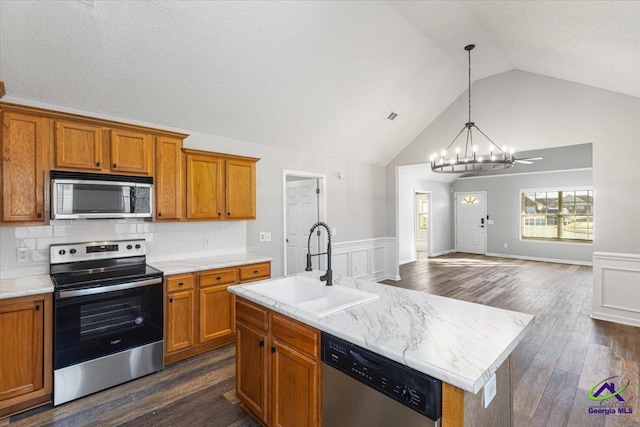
(313, 76)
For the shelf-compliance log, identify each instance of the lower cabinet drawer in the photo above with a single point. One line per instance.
(296, 334)
(255, 272)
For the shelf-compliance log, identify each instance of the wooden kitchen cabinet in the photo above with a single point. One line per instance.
(131, 152)
(290, 374)
(25, 356)
(217, 305)
(220, 186)
(205, 186)
(169, 179)
(87, 147)
(251, 368)
(180, 313)
(78, 146)
(240, 192)
(24, 168)
(203, 313)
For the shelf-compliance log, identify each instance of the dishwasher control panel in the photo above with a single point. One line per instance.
(413, 389)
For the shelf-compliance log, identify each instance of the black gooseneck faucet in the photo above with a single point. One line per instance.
(328, 277)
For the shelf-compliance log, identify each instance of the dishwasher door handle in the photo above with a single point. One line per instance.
(366, 362)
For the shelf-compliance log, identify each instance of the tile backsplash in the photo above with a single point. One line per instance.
(165, 241)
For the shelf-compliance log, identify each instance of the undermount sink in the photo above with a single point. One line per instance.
(312, 295)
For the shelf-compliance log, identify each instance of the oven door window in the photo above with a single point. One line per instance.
(92, 326)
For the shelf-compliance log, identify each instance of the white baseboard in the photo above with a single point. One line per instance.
(616, 287)
(533, 258)
(407, 261)
(368, 259)
(435, 254)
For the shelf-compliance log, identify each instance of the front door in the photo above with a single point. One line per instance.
(471, 213)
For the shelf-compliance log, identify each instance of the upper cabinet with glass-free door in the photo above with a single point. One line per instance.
(220, 186)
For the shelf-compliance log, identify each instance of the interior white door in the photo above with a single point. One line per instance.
(302, 213)
(471, 211)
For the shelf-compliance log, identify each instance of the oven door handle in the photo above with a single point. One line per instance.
(104, 289)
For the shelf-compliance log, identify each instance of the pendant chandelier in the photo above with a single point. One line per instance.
(464, 157)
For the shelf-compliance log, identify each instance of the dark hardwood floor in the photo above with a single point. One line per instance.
(563, 356)
(566, 352)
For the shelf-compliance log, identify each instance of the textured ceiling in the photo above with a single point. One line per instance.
(318, 77)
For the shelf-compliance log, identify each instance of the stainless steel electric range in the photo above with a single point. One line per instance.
(108, 316)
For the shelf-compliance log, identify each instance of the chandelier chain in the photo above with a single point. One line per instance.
(469, 51)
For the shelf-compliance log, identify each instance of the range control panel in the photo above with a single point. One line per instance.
(86, 251)
(406, 385)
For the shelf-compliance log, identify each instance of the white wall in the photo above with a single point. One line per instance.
(530, 111)
(504, 206)
(441, 214)
(355, 203)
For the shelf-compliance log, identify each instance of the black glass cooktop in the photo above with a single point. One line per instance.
(105, 273)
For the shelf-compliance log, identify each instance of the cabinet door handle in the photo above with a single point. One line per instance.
(273, 349)
(115, 165)
(98, 164)
(261, 343)
(218, 278)
(170, 299)
(180, 284)
(39, 215)
(38, 308)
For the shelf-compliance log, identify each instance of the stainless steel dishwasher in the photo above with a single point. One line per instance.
(361, 388)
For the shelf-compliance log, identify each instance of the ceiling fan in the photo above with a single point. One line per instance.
(527, 160)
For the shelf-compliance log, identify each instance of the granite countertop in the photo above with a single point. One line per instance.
(28, 285)
(207, 263)
(458, 342)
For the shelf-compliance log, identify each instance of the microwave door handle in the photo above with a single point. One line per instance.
(132, 203)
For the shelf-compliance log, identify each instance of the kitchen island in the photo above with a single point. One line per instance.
(460, 343)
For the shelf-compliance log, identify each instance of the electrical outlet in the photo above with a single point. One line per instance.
(22, 254)
(506, 245)
(208, 240)
(263, 236)
(490, 391)
(267, 236)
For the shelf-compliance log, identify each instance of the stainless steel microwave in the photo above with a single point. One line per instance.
(77, 195)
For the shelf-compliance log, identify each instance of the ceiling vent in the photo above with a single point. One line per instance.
(392, 116)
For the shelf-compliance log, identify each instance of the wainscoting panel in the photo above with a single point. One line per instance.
(370, 259)
(616, 287)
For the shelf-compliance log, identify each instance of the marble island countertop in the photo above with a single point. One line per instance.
(458, 342)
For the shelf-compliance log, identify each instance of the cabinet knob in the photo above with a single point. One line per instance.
(180, 284)
(39, 215)
(219, 213)
(98, 164)
(38, 309)
(255, 271)
(115, 165)
(273, 349)
(228, 213)
(262, 343)
(159, 213)
(218, 278)
(170, 299)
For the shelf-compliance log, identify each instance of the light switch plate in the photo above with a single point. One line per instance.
(490, 391)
